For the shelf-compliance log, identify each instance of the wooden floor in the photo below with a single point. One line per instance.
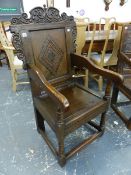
(23, 151)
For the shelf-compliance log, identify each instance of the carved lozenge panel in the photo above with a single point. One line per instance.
(51, 55)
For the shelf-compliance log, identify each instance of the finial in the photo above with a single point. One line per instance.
(44, 6)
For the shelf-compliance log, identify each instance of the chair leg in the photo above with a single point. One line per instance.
(129, 124)
(0, 63)
(61, 151)
(114, 95)
(100, 83)
(14, 76)
(39, 121)
(86, 78)
(102, 121)
(118, 112)
(61, 158)
(14, 86)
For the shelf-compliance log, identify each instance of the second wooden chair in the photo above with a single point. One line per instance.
(104, 59)
(16, 65)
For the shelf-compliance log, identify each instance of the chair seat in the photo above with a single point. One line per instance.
(17, 62)
(95, 57)
(82, 104)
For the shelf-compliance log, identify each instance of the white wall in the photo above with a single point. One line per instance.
(29, 4)
(94, 9)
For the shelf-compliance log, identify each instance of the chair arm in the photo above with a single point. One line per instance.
(38, 77)
(125, 58)
(83, 62)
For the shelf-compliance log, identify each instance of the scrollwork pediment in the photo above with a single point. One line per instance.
(42, 15)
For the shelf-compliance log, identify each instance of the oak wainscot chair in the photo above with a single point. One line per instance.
(105, 59)
(124, 68)
(47, 42)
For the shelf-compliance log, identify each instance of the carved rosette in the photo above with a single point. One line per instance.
(41, 15)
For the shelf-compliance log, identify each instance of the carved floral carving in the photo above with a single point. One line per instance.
(18, 46)
(42, 15)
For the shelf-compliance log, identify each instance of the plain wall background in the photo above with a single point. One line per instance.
(94, 9)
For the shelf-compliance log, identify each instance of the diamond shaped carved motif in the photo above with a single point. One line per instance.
(51, 55)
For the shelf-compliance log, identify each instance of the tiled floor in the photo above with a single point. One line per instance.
(23, 151)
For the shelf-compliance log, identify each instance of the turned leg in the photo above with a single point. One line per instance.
(114, 95)
(102, 122)
(100, 83)
(0, 63)
(14, 76)
(14, 86)
(60, 136)
(61, 158)
(129, 124)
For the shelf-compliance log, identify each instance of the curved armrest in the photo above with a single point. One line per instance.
(125, 58)
(38, 77)
(84, 62)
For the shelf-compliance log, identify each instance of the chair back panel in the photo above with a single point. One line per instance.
(49, 51)
(106, 33)
(47, 45)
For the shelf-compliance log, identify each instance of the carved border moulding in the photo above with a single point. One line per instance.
(17, 43)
